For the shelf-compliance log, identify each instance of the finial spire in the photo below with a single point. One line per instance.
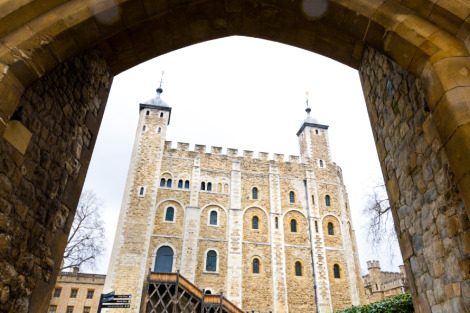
(159, 89)
(306, 101)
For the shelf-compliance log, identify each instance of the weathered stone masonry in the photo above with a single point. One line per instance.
(429, 213)
(143, 228)
(40, 189)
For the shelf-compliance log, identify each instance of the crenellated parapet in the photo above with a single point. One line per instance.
(182, 149)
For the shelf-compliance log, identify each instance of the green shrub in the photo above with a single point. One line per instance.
(398, 304)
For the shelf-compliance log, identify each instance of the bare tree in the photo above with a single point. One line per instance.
(86, 241)
(380, 228)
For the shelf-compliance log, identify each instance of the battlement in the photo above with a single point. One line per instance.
(232, 153)
(373, 264)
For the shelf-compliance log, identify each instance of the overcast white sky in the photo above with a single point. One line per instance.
(247, 94)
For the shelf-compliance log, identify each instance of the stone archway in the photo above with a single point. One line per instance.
(57, 60)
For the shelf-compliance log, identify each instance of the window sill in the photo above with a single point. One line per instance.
(210, 272)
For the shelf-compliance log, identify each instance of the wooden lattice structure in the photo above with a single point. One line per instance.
(172, 293)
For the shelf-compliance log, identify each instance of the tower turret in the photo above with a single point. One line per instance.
(313, 139)
(127, 269)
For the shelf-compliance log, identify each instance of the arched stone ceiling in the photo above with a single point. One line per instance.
(37, 35)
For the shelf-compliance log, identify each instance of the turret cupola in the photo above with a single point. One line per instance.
(157, 102)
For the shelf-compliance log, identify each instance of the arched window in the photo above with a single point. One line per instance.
(313, 199)
(316, 226)
(321, 163)
(291, 197)
(203, 186)
(144, 128)
(276, 221)
(164, 260)
(147, 113)
(255, 193)
(327, 200)
(293, 225)
(186, 184)
(331, 230)
(336, 272)
(208, 292)
(316, 131)
(213, 218)
(161, 114)
(209, 186)
(162, 182)
(254, 222)
(211, 261)
(159, 130)
(255, 266)
(298, 268)
(141, 191)
(170, 214)
(168, 183)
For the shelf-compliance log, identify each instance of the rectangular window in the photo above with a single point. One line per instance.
(89, 294)
(53, 309)
(86, 309)
(57, 292)
(69, 309)
(73, 293)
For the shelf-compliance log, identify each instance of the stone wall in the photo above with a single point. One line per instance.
(428, 210)
(40, 188)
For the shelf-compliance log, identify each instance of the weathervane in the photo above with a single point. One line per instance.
(159, 89)
(306, 101)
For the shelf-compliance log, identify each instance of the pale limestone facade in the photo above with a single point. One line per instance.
(288, 192)
(76, 292)
(379, 285)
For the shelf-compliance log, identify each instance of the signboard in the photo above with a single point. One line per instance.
(111, 300)
(117, 301)
(118, 306)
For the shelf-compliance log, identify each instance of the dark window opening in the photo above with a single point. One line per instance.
(213, 218)
(209, 186)
(291, 197)
(147, 113)
(255, 266)
(89, 294)
(331, 230)
(293, 226)
(255, 222)
(276, 221)
(168, 183)
(186, 184)
(57, 292)
(162, 182)
(336, 271)
(164, 260)
(170, 214)
(161, 114)
(203, 186)
(316, 226)
(211, 261)
(321, 163)
(73, 293)
(313, 199)
(327, 200)
(180, 184)
(141, 191)
(298, 268)
(255, 193)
